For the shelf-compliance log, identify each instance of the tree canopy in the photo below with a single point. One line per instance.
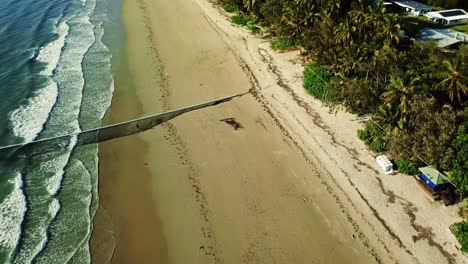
(415, 91)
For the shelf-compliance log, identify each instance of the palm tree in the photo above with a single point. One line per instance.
(299, 14)
(344, 32)
(387, 115)
(390, 28)
(398, 96)
(249, 4)
(455, 81)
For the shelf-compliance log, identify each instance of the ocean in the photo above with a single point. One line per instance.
(57, 61)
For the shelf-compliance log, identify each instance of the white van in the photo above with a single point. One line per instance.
(385, 164)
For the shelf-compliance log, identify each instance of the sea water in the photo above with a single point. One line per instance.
(56, 78)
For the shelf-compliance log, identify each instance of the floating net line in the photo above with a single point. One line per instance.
(101, 134)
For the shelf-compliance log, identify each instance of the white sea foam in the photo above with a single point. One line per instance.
(28, 120)
(72, 227)
(98, 96)
(58, 164)
(107, 103)
(12, 211)
(22, 258)
(38, 238)
(105, 99)
(61, 120)
(50, 54)
(54, 207)
(69, 76)
(53, 184)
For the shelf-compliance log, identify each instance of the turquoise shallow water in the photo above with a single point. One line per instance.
(56, 67)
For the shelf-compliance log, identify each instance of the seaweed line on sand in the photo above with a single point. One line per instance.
(354, 155)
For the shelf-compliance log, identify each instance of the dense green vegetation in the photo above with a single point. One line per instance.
(373, 136)
(460, 165)
(416, 92)
(283, 44)
(240, 20)
(461, 234)
(461, 231)
(406, 167)
(317, 81)
(244, 20)
(230, 8)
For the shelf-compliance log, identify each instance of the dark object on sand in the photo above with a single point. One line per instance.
(448, 197)
(232, 122)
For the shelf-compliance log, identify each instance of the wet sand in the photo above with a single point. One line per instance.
(198, 190)
(127, 228)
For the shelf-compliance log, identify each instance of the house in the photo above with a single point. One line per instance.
(444, 38)
(448, 17)
(414, 8)
(433, 178)
(435, 184)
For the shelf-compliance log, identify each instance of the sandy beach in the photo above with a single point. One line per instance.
(291, 184)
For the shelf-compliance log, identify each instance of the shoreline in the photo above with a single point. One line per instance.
(126, 214)
(263, 192)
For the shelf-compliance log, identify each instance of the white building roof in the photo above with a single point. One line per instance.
(443, 37)
(385, 3)
(452, 14)
(413, 5)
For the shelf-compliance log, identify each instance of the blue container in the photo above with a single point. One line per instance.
(428, 181)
